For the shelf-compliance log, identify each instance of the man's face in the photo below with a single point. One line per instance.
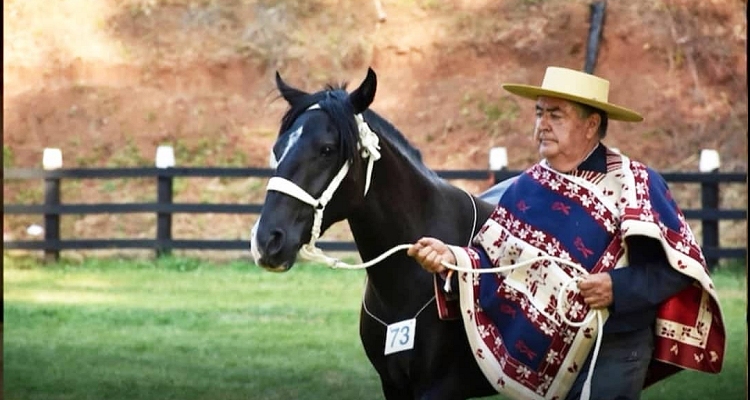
(563, 136)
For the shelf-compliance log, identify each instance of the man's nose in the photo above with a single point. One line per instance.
(540, 129)
(542, 120)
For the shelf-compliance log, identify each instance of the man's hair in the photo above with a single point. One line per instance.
(586, 110)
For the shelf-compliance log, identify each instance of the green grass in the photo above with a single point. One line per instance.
(182, 329)
(189, 329)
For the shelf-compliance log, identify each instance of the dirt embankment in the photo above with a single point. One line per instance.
(107, 82)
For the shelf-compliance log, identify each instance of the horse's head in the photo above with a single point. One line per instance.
(322, 142)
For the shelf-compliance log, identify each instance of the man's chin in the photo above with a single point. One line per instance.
(547, 149)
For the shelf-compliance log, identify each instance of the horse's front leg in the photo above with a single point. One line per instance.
(451, 372)
(394, 392)
(372, 335)
(458, 381)
(443, 389)
(392, 389)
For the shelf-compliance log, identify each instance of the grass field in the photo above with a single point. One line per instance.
(190, 329)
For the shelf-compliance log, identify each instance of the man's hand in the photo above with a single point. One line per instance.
(430, 252)
(596, 290)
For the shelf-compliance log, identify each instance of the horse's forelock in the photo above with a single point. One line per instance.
(333, 101)
(301, 105)
(340, 112)
(294, 111)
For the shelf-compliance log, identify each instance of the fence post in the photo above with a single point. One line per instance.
(51, 160)
(709, 164)
(598, 9)
(498, 164)
(164, 159)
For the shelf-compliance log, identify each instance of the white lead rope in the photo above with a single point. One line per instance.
(312, 253)
(315, 254)
(586, 391)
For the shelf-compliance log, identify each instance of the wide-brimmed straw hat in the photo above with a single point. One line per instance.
(575, 86)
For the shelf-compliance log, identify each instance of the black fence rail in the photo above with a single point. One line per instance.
(709, 214)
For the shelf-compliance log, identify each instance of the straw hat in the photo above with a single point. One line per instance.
(575, 86)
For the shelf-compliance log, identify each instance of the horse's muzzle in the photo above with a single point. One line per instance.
(263, 254)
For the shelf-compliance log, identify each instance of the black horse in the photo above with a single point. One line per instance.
(396, 202)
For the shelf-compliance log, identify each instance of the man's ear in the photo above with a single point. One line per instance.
(593, 122)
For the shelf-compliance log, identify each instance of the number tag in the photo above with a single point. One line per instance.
(400, 336)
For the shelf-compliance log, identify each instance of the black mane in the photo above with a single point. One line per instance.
(333, 100)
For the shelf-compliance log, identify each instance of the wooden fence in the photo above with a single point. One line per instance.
(709, 214)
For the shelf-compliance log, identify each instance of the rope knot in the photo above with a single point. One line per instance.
(369, 143)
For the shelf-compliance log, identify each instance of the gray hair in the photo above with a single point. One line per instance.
(585, 111)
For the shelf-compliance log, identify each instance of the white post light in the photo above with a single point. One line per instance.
(709, 161)
(35, 230)
(165, 157)
(52, 159)
(498, 158)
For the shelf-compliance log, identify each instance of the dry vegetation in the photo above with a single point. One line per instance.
(109, 81)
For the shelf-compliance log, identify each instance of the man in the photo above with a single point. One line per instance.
(583, 204)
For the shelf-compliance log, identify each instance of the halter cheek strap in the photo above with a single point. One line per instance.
(290, 188)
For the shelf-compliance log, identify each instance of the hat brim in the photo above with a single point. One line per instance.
(613, 111)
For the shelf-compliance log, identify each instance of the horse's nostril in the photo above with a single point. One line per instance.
(275, 242)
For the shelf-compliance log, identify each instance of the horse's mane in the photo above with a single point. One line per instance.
(332, 100)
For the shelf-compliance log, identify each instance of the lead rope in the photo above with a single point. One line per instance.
(586, 390)
(369, 147)
(315, 254)
(403, 247)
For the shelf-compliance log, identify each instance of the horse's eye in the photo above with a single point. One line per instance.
(326, 151)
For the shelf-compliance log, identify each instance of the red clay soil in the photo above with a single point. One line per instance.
(109, 83)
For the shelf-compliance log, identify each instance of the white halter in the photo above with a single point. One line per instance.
(369, 147)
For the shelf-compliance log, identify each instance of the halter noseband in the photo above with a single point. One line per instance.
(368, 144)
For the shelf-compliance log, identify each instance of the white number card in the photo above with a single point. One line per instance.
(400, 336)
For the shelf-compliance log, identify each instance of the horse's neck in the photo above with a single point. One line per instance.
(402, 206)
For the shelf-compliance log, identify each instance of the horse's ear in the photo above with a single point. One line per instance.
(362, 97)
(289, 93)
